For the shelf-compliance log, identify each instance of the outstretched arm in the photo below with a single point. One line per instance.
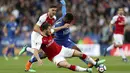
(63, 7)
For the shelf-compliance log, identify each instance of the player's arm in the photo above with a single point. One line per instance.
(5, 30)
(63, 7)
(39, 23)
(37, 57)
(112, 23)
(17, 30)
(53, 30)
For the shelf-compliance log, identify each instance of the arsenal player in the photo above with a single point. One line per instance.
(57, 53)
(119, 21)
(48, 17)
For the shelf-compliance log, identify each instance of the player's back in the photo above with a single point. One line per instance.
(62, 34)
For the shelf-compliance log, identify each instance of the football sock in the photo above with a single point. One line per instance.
(12, 51)
(122, 53)
(7, 52)
(110, 47)
(89, 59)
(77, 68)
(84, 61)
(30, 49)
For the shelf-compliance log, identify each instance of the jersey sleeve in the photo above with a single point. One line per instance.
(113, 19)
(41, 20)
(63, 7)
(126, 20)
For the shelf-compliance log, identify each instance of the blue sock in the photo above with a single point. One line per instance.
(8, 51)
(84, 61)
(33, 59)
(12, 51)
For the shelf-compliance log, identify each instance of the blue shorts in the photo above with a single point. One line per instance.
(66, 43)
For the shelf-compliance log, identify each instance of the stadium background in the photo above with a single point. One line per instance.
(90, 27)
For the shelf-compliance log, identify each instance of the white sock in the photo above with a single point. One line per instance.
(80, 69)
(110, 47)
(89, 59)
(122, 53)
(30, 49)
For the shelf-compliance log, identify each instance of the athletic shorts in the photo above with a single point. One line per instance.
(118, 39)
(64, 53)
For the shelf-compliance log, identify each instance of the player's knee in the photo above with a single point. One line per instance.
(64, 64)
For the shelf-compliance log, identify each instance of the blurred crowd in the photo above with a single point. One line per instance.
(90, 25)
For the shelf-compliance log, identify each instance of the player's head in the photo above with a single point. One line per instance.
(11, 17)
(46, 28)
(68, 18)
(120, 11)
(52, 10)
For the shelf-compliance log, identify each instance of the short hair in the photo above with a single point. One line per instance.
(53, 6)
(69, 16)
(44, 26)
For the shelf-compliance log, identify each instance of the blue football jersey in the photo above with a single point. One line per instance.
(11, 28)
(61, 34)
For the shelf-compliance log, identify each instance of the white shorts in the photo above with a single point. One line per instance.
(36, 40)
(118, 39)
(64, 53)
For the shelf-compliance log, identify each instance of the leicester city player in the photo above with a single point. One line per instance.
(10, 30)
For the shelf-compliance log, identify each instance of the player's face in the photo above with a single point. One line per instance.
(12, 18)
(121, 11)
(53, 11)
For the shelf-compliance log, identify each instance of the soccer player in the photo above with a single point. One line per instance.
(57, 53)
(48, 17)
(10, 30)
(64, 34)
(61, 35)
(119, 21)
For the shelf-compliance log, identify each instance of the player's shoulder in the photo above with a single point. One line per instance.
(43, 15)
(54, 17)
(115, 16)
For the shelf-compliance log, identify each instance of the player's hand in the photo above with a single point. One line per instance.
(40, 62)
(5, 34)
(66, 25)
(62, 2)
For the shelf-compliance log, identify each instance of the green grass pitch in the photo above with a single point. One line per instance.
(114, 65)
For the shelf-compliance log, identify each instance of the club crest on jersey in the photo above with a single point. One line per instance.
(49, 43)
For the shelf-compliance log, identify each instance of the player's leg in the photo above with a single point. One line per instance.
(87, 58)
(6, 54)
(72, 45)
(119, 46)
(108, 49)
(111, 46)
(33, 44)
(60, 61)
(65, 64)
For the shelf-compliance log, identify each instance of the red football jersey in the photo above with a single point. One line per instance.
(46, 19)
(119, 22)
(50, 47)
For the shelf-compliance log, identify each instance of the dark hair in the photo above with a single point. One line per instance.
(53, 6)
(69, 17)
(44, 26)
